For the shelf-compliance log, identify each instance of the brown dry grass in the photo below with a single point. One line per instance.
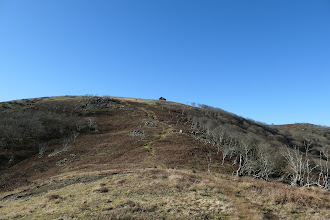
(166, 193)
(286, 201)
(143, 194)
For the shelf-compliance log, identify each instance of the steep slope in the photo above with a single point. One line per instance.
(126, 158)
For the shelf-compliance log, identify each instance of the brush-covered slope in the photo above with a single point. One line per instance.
(125, 158)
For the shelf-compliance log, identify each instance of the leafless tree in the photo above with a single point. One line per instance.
(228, 145)
(209, 160)
(309, 167)
(324, 175)
(74, 136)
(42, 149)
(296, 162)
(92, 124)
(245, 157)
(268, 161)
(301, 165)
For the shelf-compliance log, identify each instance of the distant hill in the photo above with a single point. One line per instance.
(90, 157)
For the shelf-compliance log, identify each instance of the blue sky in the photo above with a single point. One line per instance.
(265, 60)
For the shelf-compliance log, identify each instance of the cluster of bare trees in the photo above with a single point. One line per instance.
(324, 167)
(253, 148)
(31, 128)
(247, 152)
(307, 171)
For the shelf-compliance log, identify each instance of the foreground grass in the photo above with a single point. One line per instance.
(144, 194)
(164, 194)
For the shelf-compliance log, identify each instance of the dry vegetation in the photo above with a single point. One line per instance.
(135, 195)
(163, 194)
(126, 158)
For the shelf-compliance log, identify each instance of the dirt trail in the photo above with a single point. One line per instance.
(157, 136)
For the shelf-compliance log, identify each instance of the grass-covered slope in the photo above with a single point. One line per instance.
(126, 158)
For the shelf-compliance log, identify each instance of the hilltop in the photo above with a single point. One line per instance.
(89, 157)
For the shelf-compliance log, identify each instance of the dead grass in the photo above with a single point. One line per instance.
(286, 201)
(169, 194)
(144, 194)
(278, 193)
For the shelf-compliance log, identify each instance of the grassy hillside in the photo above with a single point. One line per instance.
(125, 158)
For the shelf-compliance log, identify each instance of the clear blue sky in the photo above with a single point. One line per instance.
(266, 60)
